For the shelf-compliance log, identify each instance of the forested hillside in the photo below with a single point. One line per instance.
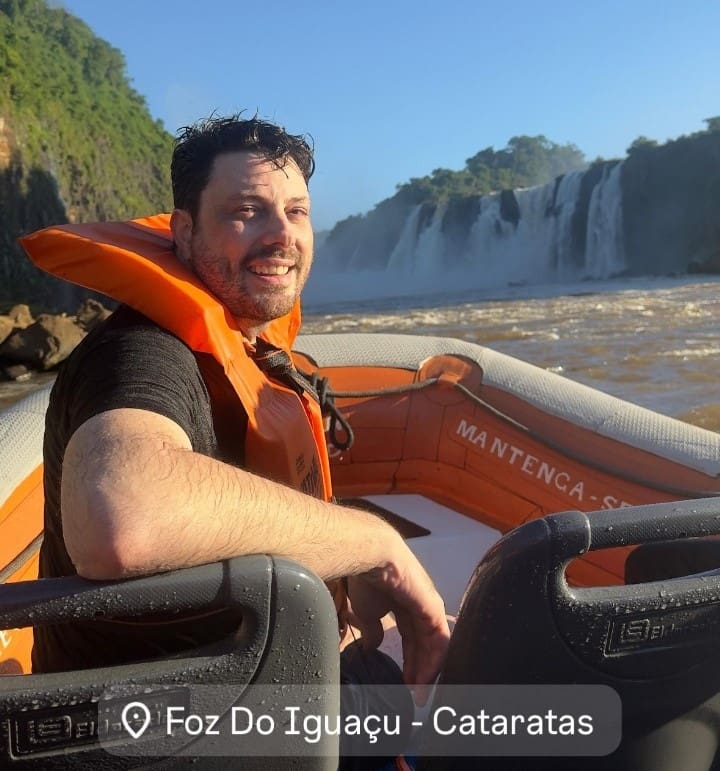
(526, 161)
(76, 140)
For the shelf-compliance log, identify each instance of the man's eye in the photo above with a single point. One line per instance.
(299, 211)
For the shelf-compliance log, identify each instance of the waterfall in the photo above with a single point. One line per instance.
(402, 256)
(567, 230)
(604, 253)
(430, 247)
(507, 250)
(567, 195)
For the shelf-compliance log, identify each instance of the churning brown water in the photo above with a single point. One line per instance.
(654, 342)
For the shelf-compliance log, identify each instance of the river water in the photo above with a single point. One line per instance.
(654, 342)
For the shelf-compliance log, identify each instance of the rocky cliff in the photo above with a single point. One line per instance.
(671, 205)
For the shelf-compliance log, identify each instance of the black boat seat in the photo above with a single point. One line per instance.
(285, 654)
(657, 644)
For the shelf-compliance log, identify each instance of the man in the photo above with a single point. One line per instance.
(144, 473)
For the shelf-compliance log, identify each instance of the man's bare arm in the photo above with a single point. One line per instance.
(136, 499)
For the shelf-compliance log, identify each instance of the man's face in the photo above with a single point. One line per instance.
(252, 241)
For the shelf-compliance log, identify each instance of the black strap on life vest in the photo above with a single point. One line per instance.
(276, 364)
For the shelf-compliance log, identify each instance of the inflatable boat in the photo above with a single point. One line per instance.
(457, 445)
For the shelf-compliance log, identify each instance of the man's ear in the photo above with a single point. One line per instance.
(181, 226)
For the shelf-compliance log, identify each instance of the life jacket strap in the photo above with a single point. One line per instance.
(276, 364)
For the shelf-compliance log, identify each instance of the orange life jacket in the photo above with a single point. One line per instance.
(133, 262)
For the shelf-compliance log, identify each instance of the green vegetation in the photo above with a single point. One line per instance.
(77, 139)
(526, 161)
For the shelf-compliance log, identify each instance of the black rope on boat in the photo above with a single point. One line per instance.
(587, 461)
(319, 388)
(681, 492)
(326, 397)
(403, 389)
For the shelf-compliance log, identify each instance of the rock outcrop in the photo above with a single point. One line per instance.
(40, 344)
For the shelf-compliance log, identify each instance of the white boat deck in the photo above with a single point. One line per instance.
(449, 553)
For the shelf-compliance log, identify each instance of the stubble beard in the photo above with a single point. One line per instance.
(227, 281)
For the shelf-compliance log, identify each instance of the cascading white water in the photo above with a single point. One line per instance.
(604, 253)
(402, 256)
(565, 201)
(529, 236)
(419, 251)
(502, 252)
(430, 247)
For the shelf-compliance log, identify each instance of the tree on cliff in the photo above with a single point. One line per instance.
(641, 144)
(526, 161)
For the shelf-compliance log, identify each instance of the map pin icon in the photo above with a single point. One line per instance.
(133, 713)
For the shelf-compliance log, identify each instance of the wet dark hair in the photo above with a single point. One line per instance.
(197, 146)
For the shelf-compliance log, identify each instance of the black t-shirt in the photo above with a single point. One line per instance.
(130, 362)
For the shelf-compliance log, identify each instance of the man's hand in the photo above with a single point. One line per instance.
(404, 589)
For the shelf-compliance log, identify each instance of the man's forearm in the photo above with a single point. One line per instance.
(146, 505)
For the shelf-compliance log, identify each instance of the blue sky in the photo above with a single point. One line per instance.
(393, 89)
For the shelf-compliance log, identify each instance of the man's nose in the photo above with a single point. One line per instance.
(279, 230)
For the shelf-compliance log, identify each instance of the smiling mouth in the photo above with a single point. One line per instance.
(270, 270)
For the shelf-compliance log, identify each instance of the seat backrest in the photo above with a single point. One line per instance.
(656, 644)
(284, 655)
